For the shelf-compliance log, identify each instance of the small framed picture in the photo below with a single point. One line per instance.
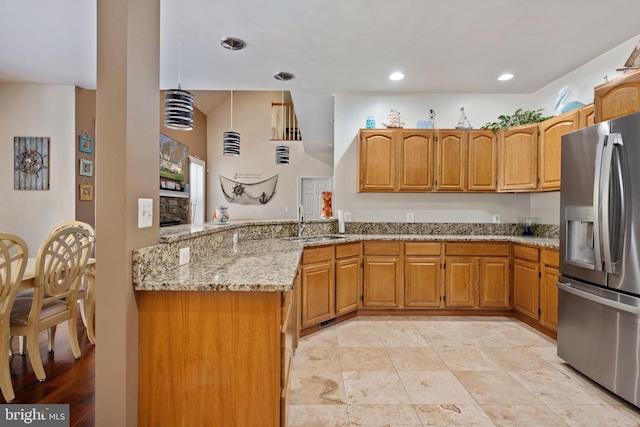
(86, 144)
(86, 192)
(86, 167)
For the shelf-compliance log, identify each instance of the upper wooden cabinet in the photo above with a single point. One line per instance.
(416, 160)
(482, 160)
(395, 160)
(618, 97)
(587, 116)
(518, 158)
(451, 160)
(377, 160)
(550, 141)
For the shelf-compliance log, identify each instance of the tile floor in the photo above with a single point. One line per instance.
(443, 371)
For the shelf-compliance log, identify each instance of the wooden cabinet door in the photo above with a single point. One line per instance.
(451, 159)
(587, 116)
(381, 281)
(377, 160)
(549, 297)
(493, 282)
(482, 161)
(518, 159)
(459, 282)
(416, 161)
(550, 140)
(619, 97)
(318, 293)
(422, 281)
(526, 287)
(347, 285)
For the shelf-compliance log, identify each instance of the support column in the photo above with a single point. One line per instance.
(127, 123)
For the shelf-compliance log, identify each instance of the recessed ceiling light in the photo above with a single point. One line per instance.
(232, 43)
(396, 76)
(505, 77)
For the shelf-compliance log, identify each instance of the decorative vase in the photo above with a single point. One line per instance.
(221, 214)
(327, 212)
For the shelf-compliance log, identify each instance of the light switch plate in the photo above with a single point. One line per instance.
(145, 213)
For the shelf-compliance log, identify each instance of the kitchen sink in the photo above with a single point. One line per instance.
(311, 239)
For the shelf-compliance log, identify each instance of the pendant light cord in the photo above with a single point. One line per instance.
(179, 38)
(231, 128)
(282, 110)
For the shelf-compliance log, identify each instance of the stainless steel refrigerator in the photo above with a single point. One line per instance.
(599, 286)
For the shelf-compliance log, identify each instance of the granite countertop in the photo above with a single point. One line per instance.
(251, 265)
(271, 264)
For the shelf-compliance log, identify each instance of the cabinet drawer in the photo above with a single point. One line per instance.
(347, 250)
(550, 257)
(421, 248)
(478, 249)
(382, 248)
(311, 255)
(525, 252)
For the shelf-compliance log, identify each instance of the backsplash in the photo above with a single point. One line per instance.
(440, 228)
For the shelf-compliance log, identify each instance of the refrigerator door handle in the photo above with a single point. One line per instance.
(613, 140)
(597, 189)
(597, 299)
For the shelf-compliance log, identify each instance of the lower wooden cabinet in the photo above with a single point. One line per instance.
(381, 281)
(548, 289)
(422, 281)
(318, 297)
(460, 282)
(535, 274)
(348, 278)
(493, 282)
(477, 275)
(526, 288)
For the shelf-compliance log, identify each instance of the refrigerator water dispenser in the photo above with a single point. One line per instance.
(580, 239)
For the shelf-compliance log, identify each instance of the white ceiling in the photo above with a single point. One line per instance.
(330, 45)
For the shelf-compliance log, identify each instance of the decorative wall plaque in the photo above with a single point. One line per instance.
(31, 163)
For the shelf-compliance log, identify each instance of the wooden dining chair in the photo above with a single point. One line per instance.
(86, 290)
(13, 260)
(60, 264)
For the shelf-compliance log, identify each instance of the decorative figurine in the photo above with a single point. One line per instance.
(394, 119)
(463, 122)
(221, 214)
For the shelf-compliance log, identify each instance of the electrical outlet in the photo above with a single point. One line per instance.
(409, 216)
(347, 216)
(496, 218)
(235, 237)
(286, 208)
(184, 256)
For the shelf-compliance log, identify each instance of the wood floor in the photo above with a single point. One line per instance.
(69, 381)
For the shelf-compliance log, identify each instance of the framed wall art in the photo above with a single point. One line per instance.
(86, 192)
(85, 143)
(86, 167)
(31, 163)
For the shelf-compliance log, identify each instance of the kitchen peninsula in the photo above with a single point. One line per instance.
(217, 334)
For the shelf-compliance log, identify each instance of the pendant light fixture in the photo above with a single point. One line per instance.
(178, 103)
(282, 151)
(231, 139)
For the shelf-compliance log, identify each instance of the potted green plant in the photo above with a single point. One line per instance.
(518, 118)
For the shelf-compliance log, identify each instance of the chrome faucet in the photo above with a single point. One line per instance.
(301, 222)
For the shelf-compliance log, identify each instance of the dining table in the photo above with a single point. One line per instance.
(87, 290)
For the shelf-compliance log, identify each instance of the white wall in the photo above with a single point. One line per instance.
(351, 111)
(546, 206)
(38, 110)
(252, 118)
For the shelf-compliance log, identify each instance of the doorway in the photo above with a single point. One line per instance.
(196, 189)
(311, 188)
